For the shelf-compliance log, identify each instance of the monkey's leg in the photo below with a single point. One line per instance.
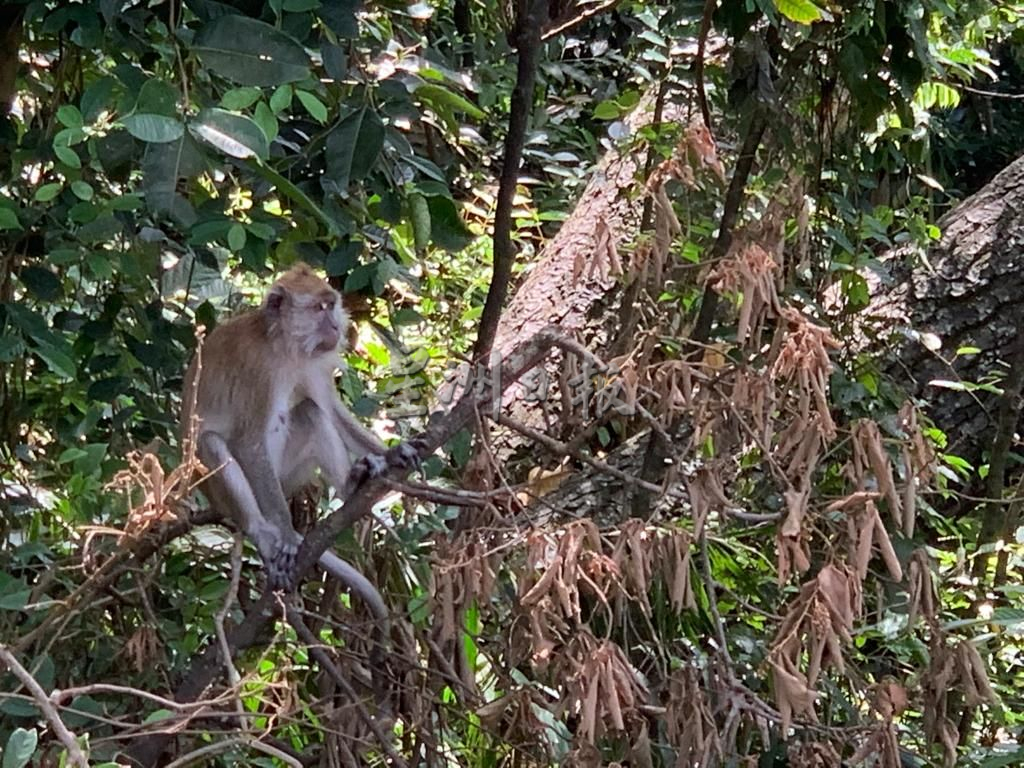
(244, 480)
(312, 443)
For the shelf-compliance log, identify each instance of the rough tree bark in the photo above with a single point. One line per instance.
(968, 293)
(552, 294)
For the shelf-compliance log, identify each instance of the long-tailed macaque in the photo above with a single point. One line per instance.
(270, 415)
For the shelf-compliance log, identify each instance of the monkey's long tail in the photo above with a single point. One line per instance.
(347, 574)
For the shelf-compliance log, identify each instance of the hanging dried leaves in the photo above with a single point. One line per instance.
(866, 532)
(559, 564)
(870, 467)
(804, 360)
(690, 724)
(816, 626)
(601, 685)
(748, 271)
(918, 464)
(955, 674)
(924, 597)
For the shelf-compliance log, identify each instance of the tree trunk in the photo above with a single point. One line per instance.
(967, 295)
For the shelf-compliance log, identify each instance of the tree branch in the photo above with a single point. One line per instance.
(528, 34)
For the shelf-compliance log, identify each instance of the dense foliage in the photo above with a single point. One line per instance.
(749, 540)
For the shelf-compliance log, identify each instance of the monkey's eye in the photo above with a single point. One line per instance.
(327, 304)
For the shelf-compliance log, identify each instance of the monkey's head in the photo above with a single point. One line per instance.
(304, 311)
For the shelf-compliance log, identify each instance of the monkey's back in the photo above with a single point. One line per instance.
(239, 375)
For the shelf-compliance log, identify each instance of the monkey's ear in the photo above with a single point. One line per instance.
(274, 299)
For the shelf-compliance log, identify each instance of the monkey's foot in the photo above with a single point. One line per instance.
(402, 456)
(279, 557)
(406, 455)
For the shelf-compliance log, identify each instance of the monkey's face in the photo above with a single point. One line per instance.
(307, 312)
(330, 322)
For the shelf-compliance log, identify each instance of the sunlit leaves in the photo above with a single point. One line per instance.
(250, 52)
(932, 94)
(440, 98)
(234, 135)
(800, 11)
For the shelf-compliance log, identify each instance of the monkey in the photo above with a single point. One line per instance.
(270, 416)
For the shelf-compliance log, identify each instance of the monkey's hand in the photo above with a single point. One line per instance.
(405, 455)
(278, 549)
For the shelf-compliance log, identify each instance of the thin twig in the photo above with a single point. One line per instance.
(218, 620)
(76, 756)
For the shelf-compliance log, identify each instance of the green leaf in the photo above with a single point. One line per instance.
(281, 99)
(153, 129)
(236, 237)
(15, 601)
(439, 96)
(800, 11)
(420, 216)
(57, 360)
(82, 190)
(1003, 758)
(67, 155)
(96, 98)
(353, 147)
(293, 193)
(340, 16)
(313, 105)
(162, 166)
(9, 219)
(41, 282)
(126, 203)
(335, 61)
(233, 135)
(446, 227)
(250, 52)
(240, 98)
(301, 6)
(157, 97)
(69, 116)
(264, 118)
(607, 110)
(47, 192)
(21, 745)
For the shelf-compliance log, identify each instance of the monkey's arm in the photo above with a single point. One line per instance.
(359, 440)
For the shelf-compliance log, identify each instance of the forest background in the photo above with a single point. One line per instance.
(709, 313)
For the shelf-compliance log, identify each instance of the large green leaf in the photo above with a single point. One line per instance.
(153, 129)
(232, 134)
(250, 52)
(353, 147)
